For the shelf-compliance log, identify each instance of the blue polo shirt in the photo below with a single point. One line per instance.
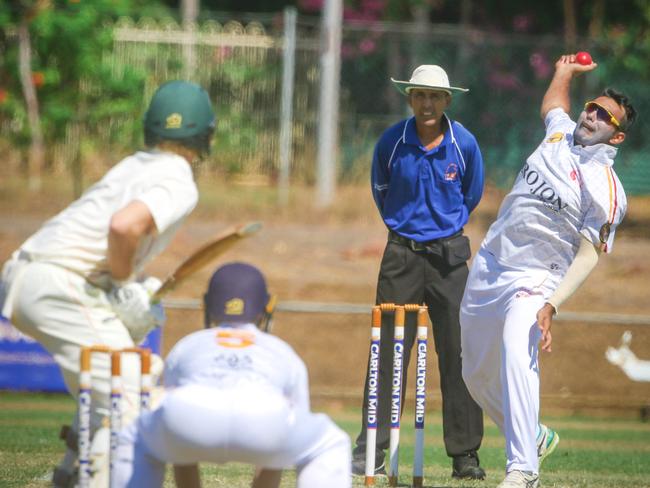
(425, 195)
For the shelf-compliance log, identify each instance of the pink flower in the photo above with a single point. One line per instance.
(521, 23)
(504, 81)
(488, 119)
(366, 46)
(350, 14)
(311, 5)
(541, 66)
(373, 5)
(220, 54)
(347, 51)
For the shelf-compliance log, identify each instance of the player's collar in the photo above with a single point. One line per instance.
(600, 153)
(229, 325)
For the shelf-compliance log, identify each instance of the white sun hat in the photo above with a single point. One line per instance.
(428, 77)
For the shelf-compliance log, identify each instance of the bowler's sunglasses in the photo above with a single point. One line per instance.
(602, 114)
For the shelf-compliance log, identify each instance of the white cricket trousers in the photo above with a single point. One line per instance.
(499, 340)
(64, 312)
(248, 423)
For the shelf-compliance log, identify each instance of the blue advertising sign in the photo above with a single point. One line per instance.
(26, 365)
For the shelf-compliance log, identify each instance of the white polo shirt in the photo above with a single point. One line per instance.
(77, 238)
(562, 192)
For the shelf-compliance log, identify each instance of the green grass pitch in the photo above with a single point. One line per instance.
(593, 453)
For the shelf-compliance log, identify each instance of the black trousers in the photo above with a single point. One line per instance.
(419, 277)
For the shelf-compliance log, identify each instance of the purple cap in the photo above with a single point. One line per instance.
(236, 294)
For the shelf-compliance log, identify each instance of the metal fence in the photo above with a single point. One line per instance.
(241, 64)
(507, 76)
(366, 309)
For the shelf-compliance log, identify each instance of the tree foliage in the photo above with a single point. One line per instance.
(76, 87)
(70, 40)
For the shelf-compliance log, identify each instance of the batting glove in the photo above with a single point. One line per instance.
(132, 304)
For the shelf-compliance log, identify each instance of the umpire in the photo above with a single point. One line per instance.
(427, 176)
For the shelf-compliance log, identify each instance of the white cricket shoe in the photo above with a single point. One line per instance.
(547, 441)
(520, 479)
(100, 465)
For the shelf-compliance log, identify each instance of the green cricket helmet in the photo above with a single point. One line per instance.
(180, 111)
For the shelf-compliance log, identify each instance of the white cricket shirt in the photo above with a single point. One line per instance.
(240, 356)
(77, 238)
(562, 192)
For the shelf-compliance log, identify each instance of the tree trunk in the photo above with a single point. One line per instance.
(460, 70)
(395, 100)
(570, 33)
(420, 14)
(36, 158)
(189, 14)
(597, 19)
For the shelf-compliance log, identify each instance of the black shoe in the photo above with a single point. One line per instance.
(359, 467)
(64, 479)
(466, 467)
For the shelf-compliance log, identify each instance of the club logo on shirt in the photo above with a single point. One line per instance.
(542, 189)
(236, 361)
(174, 121)
(555, 137)
(451, 173)
(603, 235)
(575, 176)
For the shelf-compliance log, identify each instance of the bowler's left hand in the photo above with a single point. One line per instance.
(544, 322)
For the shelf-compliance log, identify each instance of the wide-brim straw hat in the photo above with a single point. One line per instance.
(428, 77)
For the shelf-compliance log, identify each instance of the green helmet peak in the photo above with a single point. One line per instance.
(180, 111)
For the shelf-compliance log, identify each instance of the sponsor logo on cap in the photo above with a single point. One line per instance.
(234, 306)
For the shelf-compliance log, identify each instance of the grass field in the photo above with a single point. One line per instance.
(594, 453)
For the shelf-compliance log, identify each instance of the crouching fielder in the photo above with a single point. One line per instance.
(234, 393)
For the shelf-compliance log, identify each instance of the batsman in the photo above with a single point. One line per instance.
(78, 280)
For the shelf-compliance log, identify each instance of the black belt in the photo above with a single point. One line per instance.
(427, 246)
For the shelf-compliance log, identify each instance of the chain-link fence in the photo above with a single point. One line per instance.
(507, 77)
(240, 63)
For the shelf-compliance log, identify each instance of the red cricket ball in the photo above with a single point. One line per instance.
(583, 57)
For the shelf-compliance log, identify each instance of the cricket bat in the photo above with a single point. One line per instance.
(204, 255)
